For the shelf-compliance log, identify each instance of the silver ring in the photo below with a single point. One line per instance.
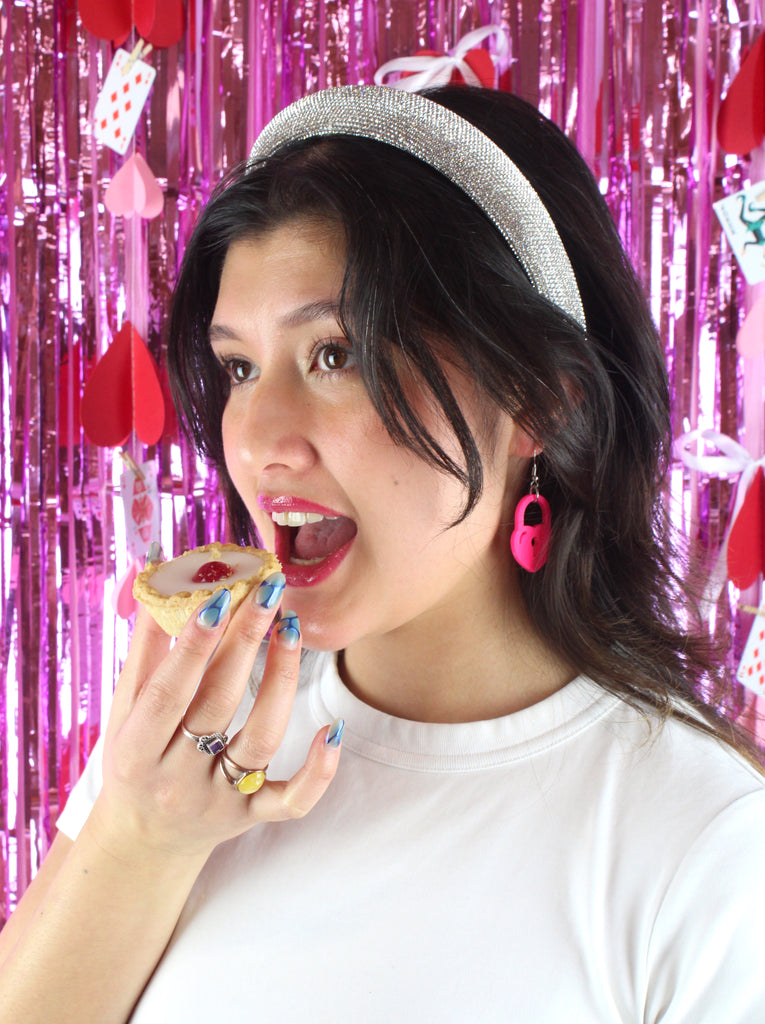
(246, 780)
(212, 743)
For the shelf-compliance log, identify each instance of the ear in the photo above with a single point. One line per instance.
(523, 445)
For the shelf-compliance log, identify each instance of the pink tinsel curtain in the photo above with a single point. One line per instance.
(636, 83)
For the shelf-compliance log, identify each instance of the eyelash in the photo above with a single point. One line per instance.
(228, 364)
(337, 346)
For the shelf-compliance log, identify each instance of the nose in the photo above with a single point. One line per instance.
(267, 428)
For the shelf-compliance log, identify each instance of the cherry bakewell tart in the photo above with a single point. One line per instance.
(172, 591)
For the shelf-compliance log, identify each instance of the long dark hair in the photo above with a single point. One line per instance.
(429, 276)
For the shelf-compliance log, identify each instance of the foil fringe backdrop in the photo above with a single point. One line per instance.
(636, 83)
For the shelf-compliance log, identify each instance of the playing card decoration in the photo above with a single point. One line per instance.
(160, 22)
(140, 498)
(467, 64)
(742, 216)
(124, 393)
(134, 189)
(751, 671)
(741, 118)
(121, 100)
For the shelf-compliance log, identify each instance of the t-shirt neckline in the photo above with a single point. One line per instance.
(462, 746)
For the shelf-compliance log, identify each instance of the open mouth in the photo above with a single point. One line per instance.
(310, 542)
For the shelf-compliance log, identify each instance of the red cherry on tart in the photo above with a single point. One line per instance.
(172, 591)
(212, 572)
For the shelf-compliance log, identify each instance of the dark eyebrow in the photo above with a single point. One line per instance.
(323, 309)
(219, 332)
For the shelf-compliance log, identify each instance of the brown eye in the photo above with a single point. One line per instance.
(240, 370)
(334, 357)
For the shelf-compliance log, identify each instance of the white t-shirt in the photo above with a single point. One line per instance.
(559, 864)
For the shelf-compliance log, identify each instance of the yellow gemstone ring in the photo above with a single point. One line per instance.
(246, 780)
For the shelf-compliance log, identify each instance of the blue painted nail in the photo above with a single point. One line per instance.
(212, 611)
(154, 554)
(335, 732)
(288, 630)
(270, 590)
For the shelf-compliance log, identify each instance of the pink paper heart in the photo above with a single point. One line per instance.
(123, 601)
(134, 189)
(750, 340)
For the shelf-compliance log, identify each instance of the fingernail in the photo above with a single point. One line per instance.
(335, 733)
(288, 630)
(212, 611)
(270, 590)
(154, 554)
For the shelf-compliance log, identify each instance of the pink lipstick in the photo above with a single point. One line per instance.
(299, 574)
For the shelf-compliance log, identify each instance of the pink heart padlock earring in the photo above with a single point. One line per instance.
(529, 542)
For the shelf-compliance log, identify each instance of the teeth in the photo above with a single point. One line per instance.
(297, 518)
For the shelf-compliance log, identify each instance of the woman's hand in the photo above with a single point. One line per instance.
(92, 931)
(160, 791)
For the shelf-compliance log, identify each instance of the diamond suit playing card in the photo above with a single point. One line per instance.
(121, 100)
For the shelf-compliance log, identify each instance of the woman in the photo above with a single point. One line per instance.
(384, 323)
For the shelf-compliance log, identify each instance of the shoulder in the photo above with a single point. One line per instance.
(688, 762)
(703, 961)
(676, 827)
(662, 785)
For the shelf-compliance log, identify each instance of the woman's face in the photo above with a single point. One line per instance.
(301, 437)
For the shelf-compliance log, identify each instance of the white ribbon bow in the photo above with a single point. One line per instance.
(438, 70)
(733, 459)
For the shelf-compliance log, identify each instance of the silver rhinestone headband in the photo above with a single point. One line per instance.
(453, 146)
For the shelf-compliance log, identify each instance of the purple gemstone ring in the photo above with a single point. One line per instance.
(212, 743)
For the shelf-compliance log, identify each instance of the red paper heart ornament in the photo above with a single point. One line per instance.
(124, 393)
(134, 189)
(750, 340)
(746, 543)
(741, 117)
(106, 19)
(160, 22)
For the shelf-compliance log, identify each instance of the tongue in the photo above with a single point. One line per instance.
(317, 540)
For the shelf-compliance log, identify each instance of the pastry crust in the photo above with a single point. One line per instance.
(173, 609)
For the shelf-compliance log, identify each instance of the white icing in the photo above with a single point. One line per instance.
(176, 576)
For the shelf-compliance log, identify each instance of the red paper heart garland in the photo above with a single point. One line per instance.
(124, 393)
(159, 22)
(741, 118)
(746, 543)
